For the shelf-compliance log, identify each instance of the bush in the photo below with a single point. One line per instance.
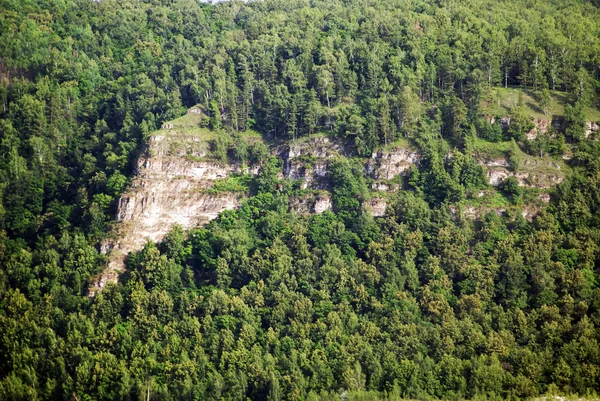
(511, 187)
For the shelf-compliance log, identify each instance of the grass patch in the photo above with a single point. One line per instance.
(500, 101)
(187, 121)
(494, 150)
(385, 195)
(236, 183)
(202, 134)
(183, 148)
(532, 164)
(251, 134)
(491, 199)
(402, 143)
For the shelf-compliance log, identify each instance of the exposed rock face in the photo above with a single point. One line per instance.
(312, 204)
(525, 179)
(173, 179)
(376, 206)
(534, 173)
(497, 176)
(167, 190)
(307, 160)
(592, 128)
(472, 212)
(322, 204)
(541, 127)
(389, 164)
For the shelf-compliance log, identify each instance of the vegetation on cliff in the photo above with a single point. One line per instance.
(266, 304)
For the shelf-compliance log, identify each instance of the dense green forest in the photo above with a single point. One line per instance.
(266, 304)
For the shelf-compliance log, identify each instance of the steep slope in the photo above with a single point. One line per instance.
(177, 182)
(172, 186)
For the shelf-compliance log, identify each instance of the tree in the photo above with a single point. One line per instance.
(574, 121)
(264, 302)
(545, 99)
(454, 116)
(348, 188)
(216, 121)
(325, 83)
(520, 124)
(410, 110)
(512, 277)
(513, 154)
(511, 187)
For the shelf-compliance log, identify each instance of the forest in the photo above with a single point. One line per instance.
(264, 303)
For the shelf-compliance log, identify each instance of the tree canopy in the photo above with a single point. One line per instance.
(264, 303)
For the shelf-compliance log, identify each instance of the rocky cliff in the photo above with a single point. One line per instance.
(171, 186)
(175, 179)
(533, 172)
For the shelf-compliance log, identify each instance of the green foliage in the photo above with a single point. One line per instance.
(513, 155)
(511, 187)
(262, 303)
(574, 121)
(489, 132)
(235, 183)
(467, 172)
(520, 123)
(348, 188)
(219, 148)
(545, 99)
(267, 180)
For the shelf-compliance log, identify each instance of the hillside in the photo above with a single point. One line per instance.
(500, 102)
(181, 181)
(308, 200)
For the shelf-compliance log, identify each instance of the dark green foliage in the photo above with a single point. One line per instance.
(348, 188)
(513, 155)
(551, 143)
(467, 172)
(510, 186)
(574, 121)
(263, 303)
(490, 132)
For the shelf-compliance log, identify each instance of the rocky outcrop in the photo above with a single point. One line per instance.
(312, 204)
(526, 179)
(375, 207)
(322, 204)
(477, 212)
(533, 172)
(307, 160)
(174, 178)
(166, 190)
(387, 165)
(541, 126)
(592, 129)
